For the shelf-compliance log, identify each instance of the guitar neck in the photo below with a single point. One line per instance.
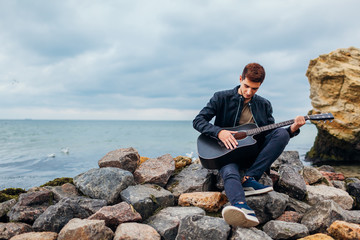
(271, 126)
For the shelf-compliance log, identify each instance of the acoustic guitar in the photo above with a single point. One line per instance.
(213, 154)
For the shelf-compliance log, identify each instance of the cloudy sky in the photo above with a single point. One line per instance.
(160, 59)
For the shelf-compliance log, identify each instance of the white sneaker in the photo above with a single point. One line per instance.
(240, 215)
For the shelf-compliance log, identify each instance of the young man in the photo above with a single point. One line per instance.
(236, 107)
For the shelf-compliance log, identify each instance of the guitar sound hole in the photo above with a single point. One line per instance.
(240, 135)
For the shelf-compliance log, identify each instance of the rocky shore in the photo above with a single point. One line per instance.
(131, 197)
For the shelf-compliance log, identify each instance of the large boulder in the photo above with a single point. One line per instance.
(268, 206)
(209, 201)
(193, 178)
(291, 158)
(77, 229)
(65, 190)
(124, 158)
(167, 221)
(116, 215)
(353, 189)
(36, 236)
(291, 182)
(30, 206)
(147, 198)
(8, 230)
(5, 208)
(133, 230)
(344, 230)
(285, 230)
(203, 228)
(249, 233)
(321, 192)
(335, 87)
(57, 216)
(155, 170)
(321, 216)
(104, 183)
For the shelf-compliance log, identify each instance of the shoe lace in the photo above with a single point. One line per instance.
(245, 178)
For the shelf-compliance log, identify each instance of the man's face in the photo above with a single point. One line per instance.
(248, 88)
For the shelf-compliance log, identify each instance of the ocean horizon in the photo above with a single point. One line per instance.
(33, 152)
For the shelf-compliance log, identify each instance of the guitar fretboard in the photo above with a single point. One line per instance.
(271, 127)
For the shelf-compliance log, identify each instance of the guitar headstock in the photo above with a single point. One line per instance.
(319, 117)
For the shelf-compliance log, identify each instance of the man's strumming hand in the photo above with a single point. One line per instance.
(228, 139)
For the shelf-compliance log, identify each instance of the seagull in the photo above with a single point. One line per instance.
(65, 150)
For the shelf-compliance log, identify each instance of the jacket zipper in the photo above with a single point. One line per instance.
(252, 114)
(237, 113)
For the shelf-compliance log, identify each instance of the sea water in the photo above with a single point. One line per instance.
(33, 152)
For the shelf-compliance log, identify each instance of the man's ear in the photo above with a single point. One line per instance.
(240, 78)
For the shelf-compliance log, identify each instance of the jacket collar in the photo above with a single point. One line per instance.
(238, 96)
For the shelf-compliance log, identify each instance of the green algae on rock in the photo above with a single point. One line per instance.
(58, 182)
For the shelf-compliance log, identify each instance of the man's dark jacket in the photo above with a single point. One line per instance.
(226, 107)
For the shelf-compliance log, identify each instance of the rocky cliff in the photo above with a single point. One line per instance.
(335, 87)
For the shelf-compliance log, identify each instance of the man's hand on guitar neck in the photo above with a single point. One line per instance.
(228, 138)
(298, 122)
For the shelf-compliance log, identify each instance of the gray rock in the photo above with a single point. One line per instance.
(77, 229)
(266, 180)
(136, 231)
(291, 182)
(326, 168)
(352, 180)
(319, 217)
(124, 158)
(155, 170)
(203, 227)
(285, 230)
(58, 215)
(268, 206)
(6, 206)
(321, 192)
(167, 221)
(219, 182)
(8, 230)
(353, 216)
(291, 158)
(116, 214)
(66, 190)
(311, 175)
(193, 178)
(297, 206)
(30, 206)
(353, 189)
(36, 236)
(249, 233)
(104, 183)
(147, 198)
(339, 184)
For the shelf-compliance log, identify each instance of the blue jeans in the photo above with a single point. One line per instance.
(274, 144)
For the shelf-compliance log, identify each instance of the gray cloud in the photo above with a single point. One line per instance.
(121, 56)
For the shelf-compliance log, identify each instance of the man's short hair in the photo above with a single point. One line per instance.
(254, 72)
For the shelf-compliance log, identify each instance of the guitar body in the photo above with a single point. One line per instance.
(214, 155)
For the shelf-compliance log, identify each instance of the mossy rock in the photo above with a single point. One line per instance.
(329, 149)
(58, 182)
(10, 193)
